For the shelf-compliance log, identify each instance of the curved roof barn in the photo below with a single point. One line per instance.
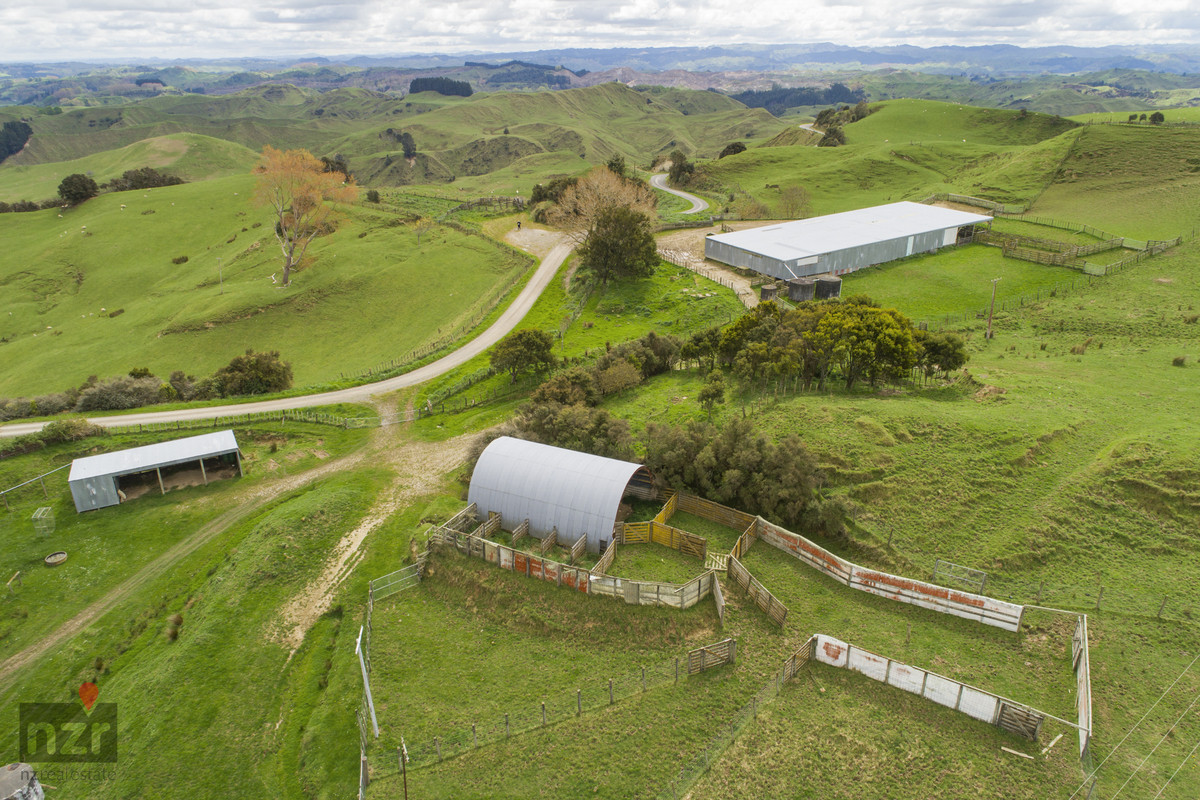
(552, 487)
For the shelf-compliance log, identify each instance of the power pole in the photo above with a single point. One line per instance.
(992, 309)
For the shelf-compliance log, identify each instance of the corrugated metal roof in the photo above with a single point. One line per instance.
(162, 454)
(578, 493)
(788, 241)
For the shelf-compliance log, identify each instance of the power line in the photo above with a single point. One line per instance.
(1135, 726)
(1160, 741)
(1176, 772)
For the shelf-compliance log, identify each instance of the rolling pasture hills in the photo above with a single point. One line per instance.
(455, 136)
(97, 289)
(1064, 456)
(189, 156)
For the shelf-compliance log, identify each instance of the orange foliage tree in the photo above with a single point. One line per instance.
(296, 187)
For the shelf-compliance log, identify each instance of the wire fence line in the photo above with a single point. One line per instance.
(535, 715)
(695, 768)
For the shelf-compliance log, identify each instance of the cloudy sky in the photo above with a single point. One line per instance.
(48, 30)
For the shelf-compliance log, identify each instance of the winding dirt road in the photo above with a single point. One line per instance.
(357, 394)
(698, 204)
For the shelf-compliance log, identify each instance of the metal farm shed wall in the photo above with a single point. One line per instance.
(552, 487)
(840, 243)
(93, 479)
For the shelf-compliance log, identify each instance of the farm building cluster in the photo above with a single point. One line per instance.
(808, 253)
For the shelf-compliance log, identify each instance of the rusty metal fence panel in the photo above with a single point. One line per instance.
(977, 703)
(1083, 683)
(979, 608)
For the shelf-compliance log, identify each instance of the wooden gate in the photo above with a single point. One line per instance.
(713, 655)
(1021, 721)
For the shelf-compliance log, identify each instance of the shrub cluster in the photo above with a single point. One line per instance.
(252, 373)
(56, 432)
(851, 339)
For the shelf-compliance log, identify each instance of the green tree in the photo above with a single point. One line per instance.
(834, 137)
(616, 165)
(942, 351)
(712, 394)
(1157, 118)
(681, 170)
(372, 195)
(409, 145)
(619, 244)
(732, 149)
(76, 188)
(254, 373)
(13, 136)
(523, 351)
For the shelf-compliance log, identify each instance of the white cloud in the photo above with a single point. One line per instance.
(152, 29)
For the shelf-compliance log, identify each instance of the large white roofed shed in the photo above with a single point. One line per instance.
(578, 493)
(93, 479)
(840, 243)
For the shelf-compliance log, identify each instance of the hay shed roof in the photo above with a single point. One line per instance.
(578, 493)
(162, 454)
(789, 241)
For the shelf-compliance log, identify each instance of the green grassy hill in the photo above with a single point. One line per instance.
(95, 290)
(186, 155)
(455, 136)
(1142, 181)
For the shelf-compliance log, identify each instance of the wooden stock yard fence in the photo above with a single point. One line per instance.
(774, 609)
(591, 582)
(712, 656)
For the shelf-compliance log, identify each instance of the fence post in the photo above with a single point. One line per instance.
(474, 738)
(610, 692)
(1164, 605)
(506, 732)
(1099, 597)
(543, 713)
(643, 679)
(578, 702)
(677, 669)
(438, 745)
(1038, 601)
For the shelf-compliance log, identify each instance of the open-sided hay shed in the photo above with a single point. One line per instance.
(577, 493)
(109, 478)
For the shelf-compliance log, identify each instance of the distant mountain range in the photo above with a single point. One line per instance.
(1000, 59)
(1059, 80)
(986, 59)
